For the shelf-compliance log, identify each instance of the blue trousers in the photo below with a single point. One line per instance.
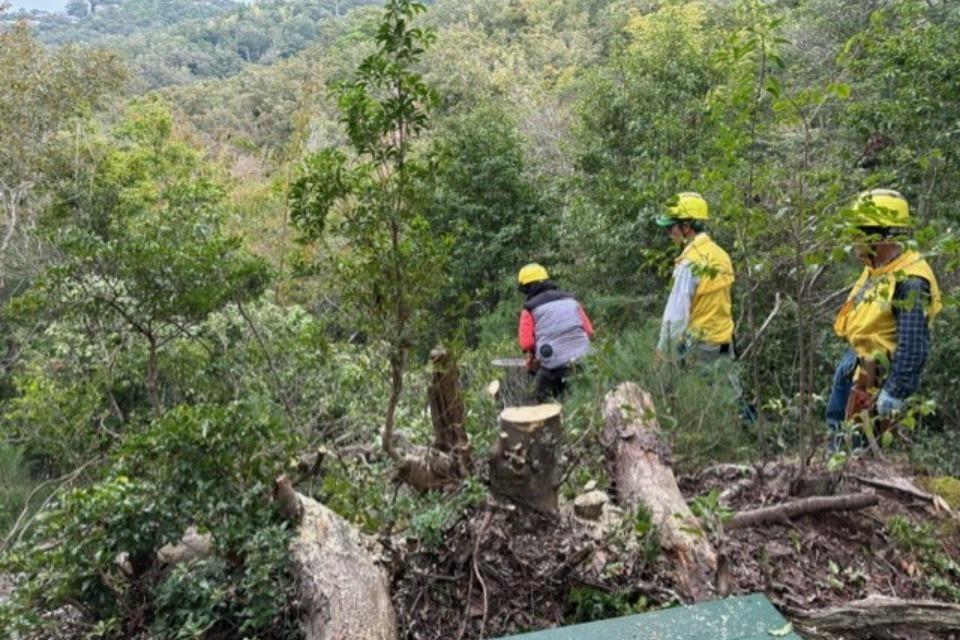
(842, 384)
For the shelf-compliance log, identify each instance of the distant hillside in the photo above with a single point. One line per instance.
(175, 42)
(99, 21)
(488, 52)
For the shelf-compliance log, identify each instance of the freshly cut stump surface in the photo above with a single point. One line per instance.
(524, 464)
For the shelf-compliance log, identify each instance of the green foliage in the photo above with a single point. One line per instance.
(935, 452)
(904, 116)
(498, 221)
(440, 512)
(943, 375)
(213, 595)
(940, 571)
(646, 533)
(32, 113)
(711, 512)
(558, 131)
(393, 258)
(699, 431)
(147, 276)
(642, 137)
(170, 42)
(143, 243)
(202, 466)
(16, 485)
(589, 603)
(58, 418)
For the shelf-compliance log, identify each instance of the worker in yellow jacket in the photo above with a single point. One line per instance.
(886, 318)
(698, 319)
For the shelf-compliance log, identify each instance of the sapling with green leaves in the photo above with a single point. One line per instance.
(368, 203)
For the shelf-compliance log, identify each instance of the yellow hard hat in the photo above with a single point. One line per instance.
(884, 208)
(532, 272)
(686, 206)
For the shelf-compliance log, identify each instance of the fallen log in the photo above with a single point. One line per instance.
(794, 508)
(877, 614)
(344, 593)
(426, 469)
(643, 476)
(904, 486)
(524, 463)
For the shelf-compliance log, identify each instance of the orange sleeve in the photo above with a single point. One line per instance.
(527, 333)
(585, 321)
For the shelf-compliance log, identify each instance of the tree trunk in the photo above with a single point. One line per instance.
(524, 464)
(446, 407)
(448, 461)
(880, 616)
(642, 475)
(396, 387)
(153, 382)
(344, 592)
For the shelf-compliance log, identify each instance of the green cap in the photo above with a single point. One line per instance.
(666, 221)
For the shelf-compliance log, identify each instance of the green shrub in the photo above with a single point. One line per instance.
(942, 373)
(590, 603)
(203, 466)
(437, 512)
(216, 596)
(15, 485)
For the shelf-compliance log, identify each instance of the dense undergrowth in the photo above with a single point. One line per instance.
(202, 286)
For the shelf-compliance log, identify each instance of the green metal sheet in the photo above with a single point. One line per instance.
(745, 618)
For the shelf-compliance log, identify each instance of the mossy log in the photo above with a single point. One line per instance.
(524, 466)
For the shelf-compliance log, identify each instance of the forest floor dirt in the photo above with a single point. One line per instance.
(503, 570)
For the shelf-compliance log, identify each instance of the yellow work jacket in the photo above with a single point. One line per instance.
(866, 319)
(711, 312)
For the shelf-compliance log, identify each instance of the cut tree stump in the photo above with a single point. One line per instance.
(448, 461)
(786, 510)
(446, 407)
(344, 593)
(878, 614)
(642, 474)
(524, 466)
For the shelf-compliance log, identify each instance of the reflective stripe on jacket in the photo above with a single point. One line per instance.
(711, 312)
(867, 320)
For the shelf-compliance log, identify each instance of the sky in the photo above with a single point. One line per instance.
(46, 5)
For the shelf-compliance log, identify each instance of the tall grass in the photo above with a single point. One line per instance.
(695, 405)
